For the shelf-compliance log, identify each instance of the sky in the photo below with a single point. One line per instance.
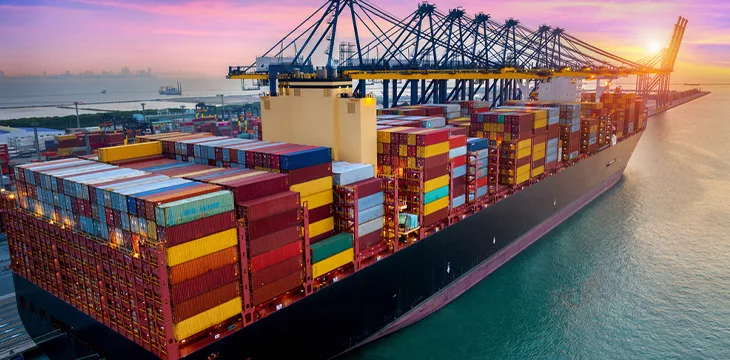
(205, 37)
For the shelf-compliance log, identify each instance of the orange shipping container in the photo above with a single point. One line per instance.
(203, 265)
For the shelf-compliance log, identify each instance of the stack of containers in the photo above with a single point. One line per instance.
(274, 241)
(570, 131)
(539, 135)
(451, 111)
(360, 180)
(457, 157)
(553, 150)
(478, 169)
(516, 149)
(102, 200)
(403, 151)
(589, 135)
(331, 254)
(319, 196)
(640, 111)
(470, 107)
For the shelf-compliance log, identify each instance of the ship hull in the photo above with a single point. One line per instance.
(380, 299)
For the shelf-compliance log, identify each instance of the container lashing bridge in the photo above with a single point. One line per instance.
(443, 56)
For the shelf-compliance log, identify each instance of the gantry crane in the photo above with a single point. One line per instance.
(428, 50)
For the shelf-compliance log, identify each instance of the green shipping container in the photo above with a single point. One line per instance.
(194, 208)
(436, 194)
(330, 247)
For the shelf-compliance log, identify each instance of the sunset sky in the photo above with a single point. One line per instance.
(206, 36)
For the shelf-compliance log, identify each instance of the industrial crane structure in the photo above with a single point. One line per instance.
(441, 56)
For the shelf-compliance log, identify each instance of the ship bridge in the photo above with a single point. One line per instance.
(440, 55)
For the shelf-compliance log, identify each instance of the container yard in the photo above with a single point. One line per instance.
(333, 225)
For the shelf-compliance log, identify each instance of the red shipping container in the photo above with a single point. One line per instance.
(321, 237)
(457, 141)
(275, 272)
(432, 161)
(203, 283)
(208, 300)
(196, 229)
(274, 240)
(435, 217)
(369, 240)
(270, 205)
(276, 288)
(458, 161)
(268, 225)
(310, 173)
(367, 187)
(202, 265)
(258, 186)
(459, 186)
(320, 213)
(275, 256)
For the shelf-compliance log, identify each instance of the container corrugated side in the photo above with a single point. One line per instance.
(331, 263)
(274, 240)
(200, 247)
(275, 256)
(252, 188)
(269, 205)
(313, 187)
(320, 199)
(205, 301)
(345, 173)
(275, 272)
(270, 224)
(208, 318)
(179, 234)
(302, 159)
(276, 288)
(203, 283)
(198, 207)
(125, 152)
(330, 247)
(321, 227)
(202, 265)
(309, 173)
(370, 214)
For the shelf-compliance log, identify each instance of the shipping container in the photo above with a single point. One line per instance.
(208, 318)
(276, 288)
(179, 234)
(198, 285)
(205, 301)
(330, 247)
(275, 256)
(277, 271)
(202, 265)
(200, 247)
(274, 240)
(269, 205)
(345, 173)
(198, 207)
(124, 152)
(331, 263)
(272, 223)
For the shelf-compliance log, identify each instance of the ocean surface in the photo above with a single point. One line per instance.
(643, 272)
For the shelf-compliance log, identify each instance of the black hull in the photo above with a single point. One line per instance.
(374, 301)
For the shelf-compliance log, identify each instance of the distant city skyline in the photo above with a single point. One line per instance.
(207, 36)
(125, 71)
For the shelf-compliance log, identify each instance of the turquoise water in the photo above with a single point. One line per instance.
(643, 272)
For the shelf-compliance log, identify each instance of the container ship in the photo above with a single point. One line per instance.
(338, 228)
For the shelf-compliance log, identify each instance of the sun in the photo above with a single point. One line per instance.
(654, 47)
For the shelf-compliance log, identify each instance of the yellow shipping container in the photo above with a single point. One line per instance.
(522, 153)
(538, 155)
(152, 229)
(432, 150)
(594, 128)
(434, 206)
(380, 147)
(436, 183)
(493, 136)
(332, 262)
(208, 318)
(194, 249)
(126, 152)
(524, 144)
(313, 187)
(64, 151)
(480, 134)
(402, 150)
(539, 124)
(66, 137)
(412, 162)
(523, 177)
(538, 171)
(524, 169)
(319, 199)
(321, 227)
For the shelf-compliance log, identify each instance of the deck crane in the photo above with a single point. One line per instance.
(440, 56)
